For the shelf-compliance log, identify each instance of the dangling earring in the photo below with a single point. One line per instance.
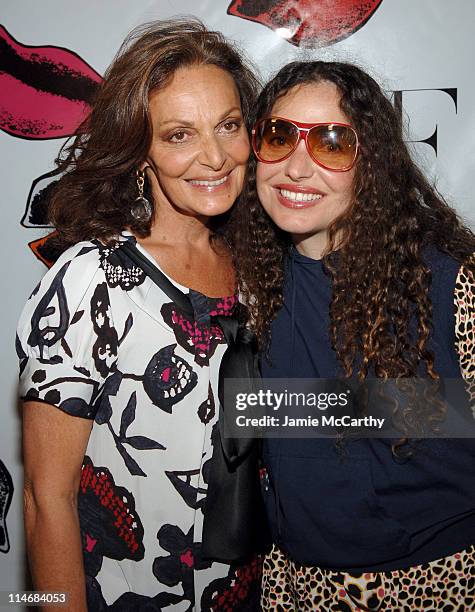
(141, 209)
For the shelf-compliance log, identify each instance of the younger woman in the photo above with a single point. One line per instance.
(363, 270)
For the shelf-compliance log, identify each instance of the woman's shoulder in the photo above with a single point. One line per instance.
(74, 269)
(84, 255)
(439, 262)
(453, 302)
(446, 272)
(79, 264)
(66, 284)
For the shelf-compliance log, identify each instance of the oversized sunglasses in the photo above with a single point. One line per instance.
(333, 146)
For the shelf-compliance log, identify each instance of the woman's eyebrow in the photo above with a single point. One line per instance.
(228, 112)
(185, 123)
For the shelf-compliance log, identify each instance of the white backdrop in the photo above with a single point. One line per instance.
(424, 49)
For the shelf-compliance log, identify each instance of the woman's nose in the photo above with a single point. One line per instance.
(212, 153)
(300, 165)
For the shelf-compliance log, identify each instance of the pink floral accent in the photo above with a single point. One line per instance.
(187, 558)
(90, 543)
(224, 306)
(199, 337)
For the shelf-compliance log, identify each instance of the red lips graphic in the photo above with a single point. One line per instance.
(45, 91)
(308, 23)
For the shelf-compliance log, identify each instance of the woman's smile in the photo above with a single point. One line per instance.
(298, 196)
(210, 184)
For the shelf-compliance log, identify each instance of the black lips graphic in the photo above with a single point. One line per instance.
(6, 494)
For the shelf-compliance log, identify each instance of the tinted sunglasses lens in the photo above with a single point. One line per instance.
(274, 139)
(334, 146)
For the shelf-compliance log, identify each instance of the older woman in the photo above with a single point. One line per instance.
(117, 379)
(364, 271)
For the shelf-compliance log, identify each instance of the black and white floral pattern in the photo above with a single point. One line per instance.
(102, 341)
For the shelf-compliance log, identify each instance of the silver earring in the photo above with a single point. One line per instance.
(141, 209)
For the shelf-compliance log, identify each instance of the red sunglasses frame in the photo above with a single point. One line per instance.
(304, 129)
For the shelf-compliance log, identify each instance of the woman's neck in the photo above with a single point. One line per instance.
(313, 246)
(174, 228)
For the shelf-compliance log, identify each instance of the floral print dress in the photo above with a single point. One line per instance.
(99, 340)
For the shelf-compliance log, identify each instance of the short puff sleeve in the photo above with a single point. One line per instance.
(66, 341)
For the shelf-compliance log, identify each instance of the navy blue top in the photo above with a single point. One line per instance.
(363, 510)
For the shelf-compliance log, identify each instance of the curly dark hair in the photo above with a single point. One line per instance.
(379, 278)
(94, 196)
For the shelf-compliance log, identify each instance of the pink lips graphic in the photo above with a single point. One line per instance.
(45, 92)
(309, 23)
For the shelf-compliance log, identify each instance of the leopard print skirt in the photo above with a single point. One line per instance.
(447, 584)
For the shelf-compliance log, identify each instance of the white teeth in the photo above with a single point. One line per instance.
(297, 196)
(210, 183)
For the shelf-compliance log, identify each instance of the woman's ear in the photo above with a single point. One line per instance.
(148, 171)
(150, 176)
(144, 165)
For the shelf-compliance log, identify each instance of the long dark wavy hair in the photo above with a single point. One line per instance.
(379, 277)
(94, 197)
